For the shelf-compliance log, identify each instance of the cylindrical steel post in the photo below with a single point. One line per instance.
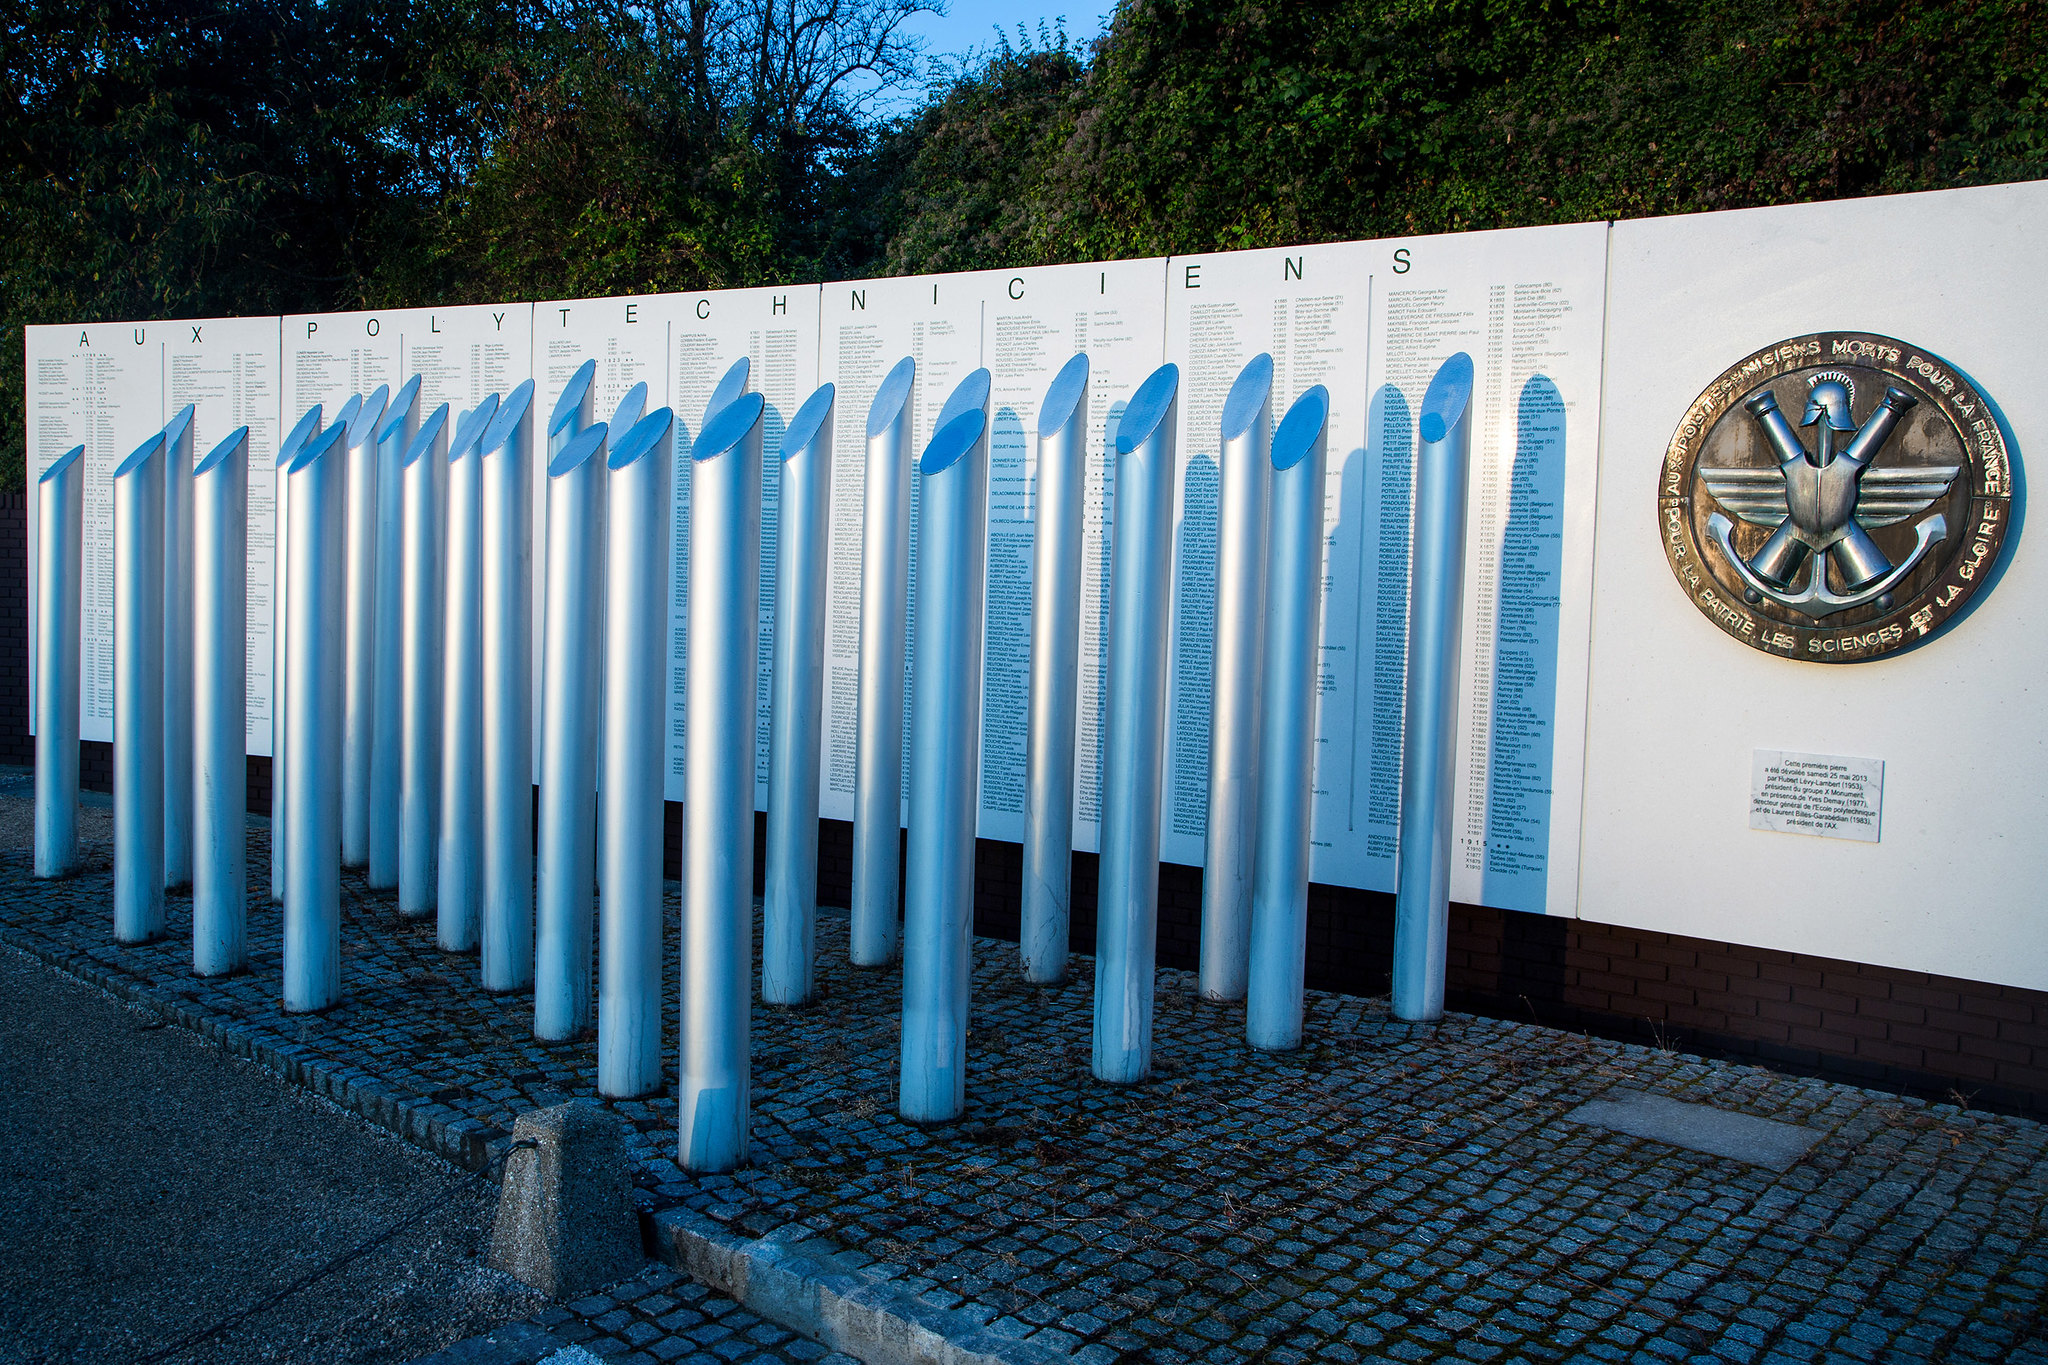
(639, 472)
(878, 710)
(314, 710)
(280, 539)
(139, 693)
(387, 659)
(459, 874)
(1046, 911)
(1287, 725)
(573, 407)
(177, 703)
(60, 627)
(1245, 473)
(572, 652)
(730, 385)
(718, 787)
(506, 560)
(1140, 610)
(789, 901)
(938, 897)
(424, 473)
(1429, 730)
(360, 629)
(220, 665)
(627, 414)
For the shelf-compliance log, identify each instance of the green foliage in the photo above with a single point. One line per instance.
(213, 157)
(1214, 124)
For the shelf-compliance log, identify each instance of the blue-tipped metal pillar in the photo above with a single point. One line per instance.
(1287, 729)
(878, 719)
(220, 665)
(572, 650)
(938, 904)
(387, 660)
(423, 477)
(1429, 731)
(60, 626)
(459, 874)
(177, 703)
(314, 713)
(139, 693)
(1235, 659)
(639, 472)
(359, 627)
(1055, 675)
(789, 904)
(1140, 607)
(718, 791)
(280, 626)
(506, 561)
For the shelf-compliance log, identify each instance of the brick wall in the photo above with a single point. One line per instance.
(1873, 1025)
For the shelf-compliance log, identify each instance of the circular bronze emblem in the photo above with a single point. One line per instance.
(1835, 497)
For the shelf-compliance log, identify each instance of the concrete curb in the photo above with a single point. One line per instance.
(872, 1319)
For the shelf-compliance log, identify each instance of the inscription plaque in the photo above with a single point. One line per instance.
(1826, 795)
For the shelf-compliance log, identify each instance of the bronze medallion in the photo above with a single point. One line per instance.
(1835, 497)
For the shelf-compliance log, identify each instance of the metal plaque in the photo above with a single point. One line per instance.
(1835, 497)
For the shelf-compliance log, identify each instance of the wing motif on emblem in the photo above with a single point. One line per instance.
(1883, 496)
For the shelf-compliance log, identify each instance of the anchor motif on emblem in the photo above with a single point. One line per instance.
(1858, 531)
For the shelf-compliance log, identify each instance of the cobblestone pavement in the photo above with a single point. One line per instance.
(667, 1317)
(1390, 1192)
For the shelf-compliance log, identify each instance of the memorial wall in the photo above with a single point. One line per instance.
(1611, 736)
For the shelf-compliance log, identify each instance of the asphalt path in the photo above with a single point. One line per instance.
(152, 1188)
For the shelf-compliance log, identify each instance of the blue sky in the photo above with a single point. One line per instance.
(969, 26)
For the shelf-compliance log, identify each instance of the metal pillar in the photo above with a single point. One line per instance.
(573, 407)
(718, 792)
(314, 711)
(459, 873)
(789, 903)
(730, 385)
(1429, 730)
(1236, 654)
(572, 651)
(60, 626)
(938, 904)
(878, 720)
(1055, 675)
(506, 567)
(1140, 609)
(387, 659)
(423, 477)
(1287, 725)
(138, 693)
(220, 659)
(177, 702)
(280, 539)
(639, 473)
(627, 414)
(360, 629)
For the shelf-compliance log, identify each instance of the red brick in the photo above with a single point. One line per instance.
(1759, 988)
(1668, 954)
(1791, 973)
(1857, 984)
(1823, 1040)
(1934, 1040)
(1926, 995)
(1890, 1053)
(1790, 1012)
(1895, 1011)
(1737, 968)
(2033, 1034)
(2004, 1006)
(1970, 1026)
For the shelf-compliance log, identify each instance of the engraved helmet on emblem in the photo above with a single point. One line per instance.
(1860, 531)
